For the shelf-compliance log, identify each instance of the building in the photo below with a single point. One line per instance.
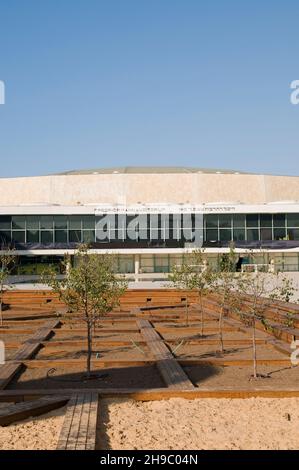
(151, 217)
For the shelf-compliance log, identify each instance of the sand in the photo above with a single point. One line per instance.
(255, 423)
(39, 433)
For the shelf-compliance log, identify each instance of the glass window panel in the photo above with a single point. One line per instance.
(252, 235)
(88, 236)
(60, 236)
(60, 222)
(279, 220)
(252, 220)
(266, 220)
(5, 222)
(225, 235)
(18, 222)
(32, 236)
(293, 234)
(212, 235)
(75, 236)
(279, 234)
(239, 234)
(46, 222)
(18, 236)
(239, 220)
(88, 222)
(225, 221)
(211, 221)
(5, 236)
(293, 220)
(266, 234)
(47, 237)
(32, 222)
(75, 222)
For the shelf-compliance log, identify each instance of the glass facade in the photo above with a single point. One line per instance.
(131, 230)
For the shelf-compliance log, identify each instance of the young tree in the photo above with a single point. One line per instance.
(224, 282)
(90, 288)
(7, 262)
(256, 292)
(194, 275)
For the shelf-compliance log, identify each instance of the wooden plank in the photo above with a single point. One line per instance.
(32, 345)
(7, 373)
(171, 372)
(79, 428)
(154, 394)
(20, 411)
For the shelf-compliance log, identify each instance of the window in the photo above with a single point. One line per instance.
(75, 222)
(88, 236)
(239, 234)
(32, 222)
(279, 234)
(60, 236)
(212, 235)
(32, 236)
(293, 220)
(279, 220)
(88, 222)
(5, 222)
(225, 221)
(266, 220)
(46, 222)
(266, 234)
(239, 220)
(252, 235)
(60, 222)
(18, 222)
(252, 220)
(293, 234)
(46, 237)
(75, 236)
(18, 236)
(211, 221)
(225, 235)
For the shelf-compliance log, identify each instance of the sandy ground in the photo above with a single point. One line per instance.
(255, 423)
(40, 433)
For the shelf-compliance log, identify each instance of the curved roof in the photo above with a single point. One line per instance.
(149, 170)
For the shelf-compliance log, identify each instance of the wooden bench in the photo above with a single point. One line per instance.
(79, 427)
(23, 410)
(170, 370)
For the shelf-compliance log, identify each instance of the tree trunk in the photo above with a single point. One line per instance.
(1, 304)
(254, 348)
(220, 329)
(187, 311)
(201, 314)
(89, 347)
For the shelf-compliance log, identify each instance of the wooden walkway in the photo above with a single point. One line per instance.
(170, 370)
(79, 427)
(23, 410)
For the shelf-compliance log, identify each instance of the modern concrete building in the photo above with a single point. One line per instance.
(151, 217)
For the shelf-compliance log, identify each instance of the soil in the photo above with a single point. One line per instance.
(71, 377)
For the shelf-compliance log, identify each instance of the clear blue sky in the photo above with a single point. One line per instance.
(92, 83)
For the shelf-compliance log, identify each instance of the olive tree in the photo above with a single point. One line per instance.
(256, 293)
(224, 284)
(90, 288)
(194, 275)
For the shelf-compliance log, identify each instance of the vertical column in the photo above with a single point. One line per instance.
(137, 267)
